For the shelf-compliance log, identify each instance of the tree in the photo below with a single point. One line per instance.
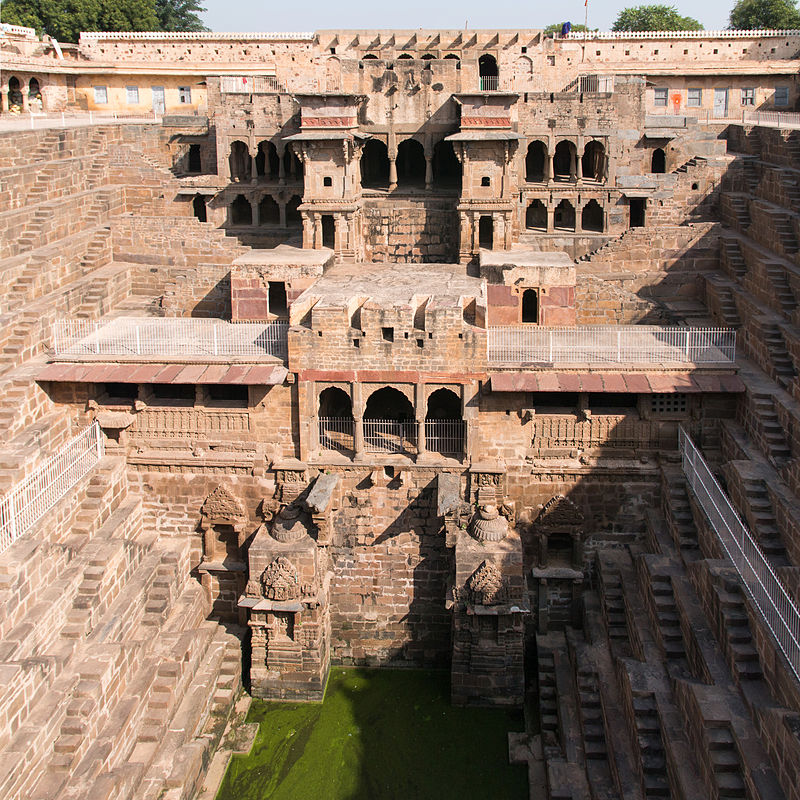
(750, 14)
(179, 15)
(65, 19)
(556, 28)
(654, 18)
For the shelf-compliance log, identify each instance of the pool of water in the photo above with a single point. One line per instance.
(379, 735)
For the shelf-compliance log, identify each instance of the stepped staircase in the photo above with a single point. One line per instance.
(772, 432)
(738, 640)
(780, 287)
(732, 258)
(655, 783)
(782, 363)
(726, 766)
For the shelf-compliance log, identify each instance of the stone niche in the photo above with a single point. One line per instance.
(286, 596)
(529, 287)
(489, 607)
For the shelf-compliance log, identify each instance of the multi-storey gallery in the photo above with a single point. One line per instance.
(435, 348)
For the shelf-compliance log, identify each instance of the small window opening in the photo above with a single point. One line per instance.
(327, 181)
(485, 181)
(121, 392)
(530, 306)
(277, 298)
(227, 395)
(178, 394)
(388, 334)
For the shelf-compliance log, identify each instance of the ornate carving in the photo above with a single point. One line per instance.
(289, 525)
(486, 586)
(560, 512)
(279, 581)
(221, 505)
(488, 525)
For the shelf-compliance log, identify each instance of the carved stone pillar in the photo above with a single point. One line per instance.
(3, 100)
(24, 99)
(281, 166)
(308, 231)
(392, 173)
(419, 398)
(282, 214)
(317, 231)
(499, 237)
(253, 168)
(255, 213)
(573, 165)
(358, 422)
(428, 172)
(579, 166)
(550, 218)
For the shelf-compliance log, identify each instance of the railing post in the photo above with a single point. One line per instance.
(138, 341)
(619, 346)
(688, 333)
(100, 443)
(12, 516)
(97, 338)
(215, 340)
(551, 346)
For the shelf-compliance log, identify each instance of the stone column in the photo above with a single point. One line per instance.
(358, 422)
(282, 214)
(419, 407)
(255, 213)
(551, 167)
(573, 166)
(308, 231)
(428, 172)
(476, 239)
(24, 90)
(550, 217)
(313, 431)
(579, 166)
(318, 231)
(392, 173)
(548, 167)
(253, 170)
(498, 231)
(3, 100)
(281, 166)
(464, 236)
(578, 218)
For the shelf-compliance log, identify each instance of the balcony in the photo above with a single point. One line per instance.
(607, 345)
(142, 338)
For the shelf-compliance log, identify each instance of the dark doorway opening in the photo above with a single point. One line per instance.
(267, 161)
(241, 211)
(658, 163)
(375, 165)
(530, 306)
(564, 216)
(195, 163)
(410, 163)
(328, 231)
(593, 162)
(199, 208)
(563, 160)
(446, 167)
(489, 74)
(637, 206)
(335, 402)
(536, 216)
(535, 160)
(294, 219)
(239, 161)
(277, 298)
(592, 217)
(389, 403)
(486, 233)
(269, 212)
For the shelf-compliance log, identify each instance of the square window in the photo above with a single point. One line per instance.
(100, 95)
(132, 95)
(748, 97)
(694, 98)
(327, 181)
(668, 403)
(184, 94)
(660, 97)
(485, 181)
(388, 334)
(781, 95)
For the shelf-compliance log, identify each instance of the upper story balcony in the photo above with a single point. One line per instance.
(168, 339)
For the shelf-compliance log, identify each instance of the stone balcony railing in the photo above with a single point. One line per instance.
(568, 432)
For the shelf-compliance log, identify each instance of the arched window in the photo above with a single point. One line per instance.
(369, 57)
(14, 93)
(33, 87)
(452, 57)
(530, 306)
(564, 161)
(487, 69)
(239, 161)
(658, 163)
(375, 165)
(199, 208)
(269, 213)
(446, 167)
(410, 163)
(592, 217)
(536, 216)
(428, 57)
(486, 232)
(405, 57)
(535, 161)
(443, 404)
(241, 211)
(267, 161)
(389, 403)
(593, 161)
(294, 219)
(335, 402)
(564, 216)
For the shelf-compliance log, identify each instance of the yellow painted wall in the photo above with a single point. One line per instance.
(116, 86)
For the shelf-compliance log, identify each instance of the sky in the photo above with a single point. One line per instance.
(311, 15)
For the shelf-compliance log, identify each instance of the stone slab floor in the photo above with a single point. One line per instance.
(379, 735)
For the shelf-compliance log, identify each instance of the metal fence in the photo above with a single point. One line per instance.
(445, 436)
(250, 84)
(336, 433)
(32, 498)
(589, 84)
(610, 344)
(168, 337)
(776, 607)
(390, 436)
(489, 83)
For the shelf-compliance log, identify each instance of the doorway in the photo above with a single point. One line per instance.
(159, 99)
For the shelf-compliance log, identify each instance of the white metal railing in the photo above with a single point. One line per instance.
(33, 497)
(389, 436)
(776, 607)
(160, 36)
(489, 83)
(772, 119)
(168, 337)
(336, 433)
(611, 344)
(759, 33)
(708, 116)
(587, 84)
(250, 84)
(445, 436)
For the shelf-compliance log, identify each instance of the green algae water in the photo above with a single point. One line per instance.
(379, 735)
